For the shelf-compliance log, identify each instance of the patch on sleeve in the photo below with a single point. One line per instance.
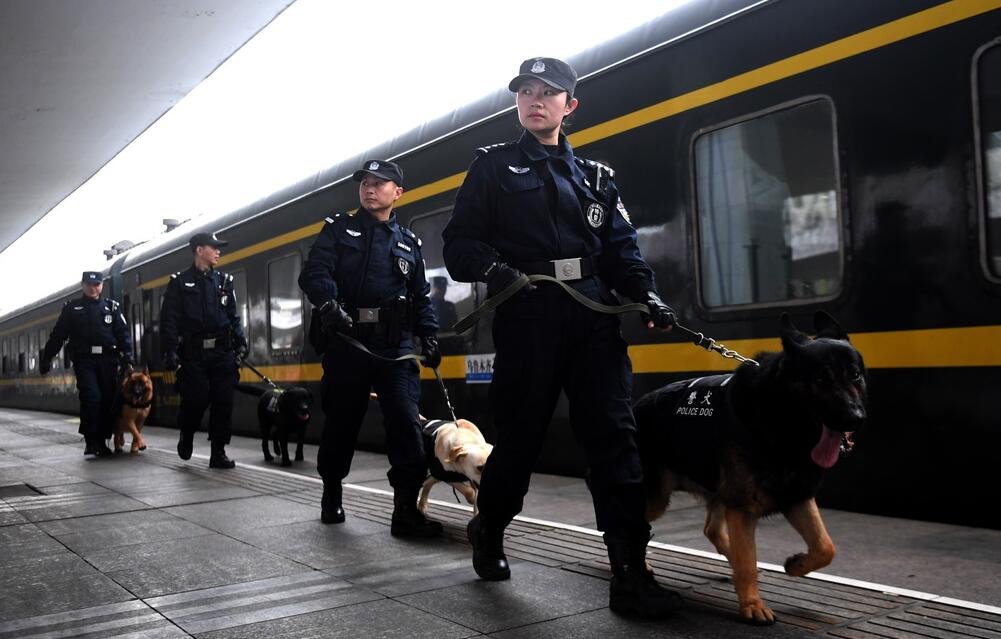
(622, 211)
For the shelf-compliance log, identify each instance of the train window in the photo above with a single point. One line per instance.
(451, 299)
(42, 337)
(243, 304)
(285, 303)
(988, 85)
(768, 223)
(5, 357)
(137, 332)
(22, 350)
(32, 352)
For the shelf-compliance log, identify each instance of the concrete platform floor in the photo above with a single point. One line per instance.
(150, 546)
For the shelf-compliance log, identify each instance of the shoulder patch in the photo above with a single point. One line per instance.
(483, 150)
(411, 234)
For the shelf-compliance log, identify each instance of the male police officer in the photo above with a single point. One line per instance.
(200, 331)
(366, 276)
(99, 341)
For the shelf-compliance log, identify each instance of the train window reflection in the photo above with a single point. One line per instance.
(240, 289)
(767, 199)
(451, 299)
(285, 304)
(989, 91)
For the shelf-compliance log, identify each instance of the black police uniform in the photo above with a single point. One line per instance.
(524, 205)
(364, 264)
(98, 341)
(199, 322)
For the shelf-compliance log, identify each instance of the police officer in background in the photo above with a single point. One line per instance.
(365, 274)
(534, 207)
(201, 332)
(99, 343)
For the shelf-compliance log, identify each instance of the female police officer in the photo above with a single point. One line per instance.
(533, 207)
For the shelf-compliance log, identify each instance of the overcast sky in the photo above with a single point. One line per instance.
(325, 80)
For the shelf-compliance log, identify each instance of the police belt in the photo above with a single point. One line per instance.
(565, 270)
(95, 350)
(197, 342)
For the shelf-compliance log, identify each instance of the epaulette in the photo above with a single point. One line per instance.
(483, 150)
(410, 234)
(331, 220)
(595, 166)
(176, 274)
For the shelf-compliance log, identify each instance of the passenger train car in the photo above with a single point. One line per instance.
(774, 156)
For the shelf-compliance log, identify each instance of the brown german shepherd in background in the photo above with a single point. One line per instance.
(135, 397)
(755, 443)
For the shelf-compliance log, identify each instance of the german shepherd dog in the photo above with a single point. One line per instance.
(757, 442)
(133, 405)
(281, 413)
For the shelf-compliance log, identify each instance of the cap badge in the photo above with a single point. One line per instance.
(539, 67)
(519, 170)
(403, 265)
(373, 166)
(595, 215)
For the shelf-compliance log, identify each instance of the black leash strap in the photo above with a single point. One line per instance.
(444, 391)
(259, 374)
(493, 302)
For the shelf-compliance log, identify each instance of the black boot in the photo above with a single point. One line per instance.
(407, 520)
(185, 443)
(634, 591)
(101, 448)
(219, 458)
(489, 561)
(331, 510)
(89, 448)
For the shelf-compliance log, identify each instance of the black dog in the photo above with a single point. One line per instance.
(280, 413)
(755, 443)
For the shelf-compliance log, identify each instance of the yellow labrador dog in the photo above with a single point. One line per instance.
(456, 453)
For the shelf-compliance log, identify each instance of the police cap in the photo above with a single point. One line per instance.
(556, 73)
(92, 277)
(206, 239)
(382, 169)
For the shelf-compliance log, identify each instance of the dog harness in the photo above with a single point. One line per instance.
(435, 468)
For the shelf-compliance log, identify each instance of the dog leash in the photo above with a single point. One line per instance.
(697, 338)
(259, 373)
(417, 358)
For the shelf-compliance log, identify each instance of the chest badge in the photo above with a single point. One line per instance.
(107, 319)
(403, 265)
(189, 284)
(405, 247)
(353, 233)
(595, 215)
(519, 170)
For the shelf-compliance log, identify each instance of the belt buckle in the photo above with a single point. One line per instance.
(208, 343)
(368, 315)
(568, 269)
(96, 350)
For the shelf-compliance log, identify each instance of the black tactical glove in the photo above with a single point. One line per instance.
(660, 315)
(45, 366)
(171, 362)
(241, 353)
(430, 352)
(499, 276)
(334, 319)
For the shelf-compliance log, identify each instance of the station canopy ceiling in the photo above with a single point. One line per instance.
(80, 79)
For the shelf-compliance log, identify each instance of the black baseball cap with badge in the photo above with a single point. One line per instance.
(206, 239)
(556, 73)
(92, 277)
(382, 169)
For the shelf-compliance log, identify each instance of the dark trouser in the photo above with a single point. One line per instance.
(545, 342)
(97, 382)
(348, 378)
(207, 381)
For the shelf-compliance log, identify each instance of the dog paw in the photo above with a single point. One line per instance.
(757, 613)
(795, 566)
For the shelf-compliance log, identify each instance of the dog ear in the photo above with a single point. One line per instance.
(455, 454)
(827, 326)
(792, 337)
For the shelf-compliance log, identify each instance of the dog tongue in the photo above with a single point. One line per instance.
(825, 453)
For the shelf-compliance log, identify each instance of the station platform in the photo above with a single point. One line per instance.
(151, 546)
